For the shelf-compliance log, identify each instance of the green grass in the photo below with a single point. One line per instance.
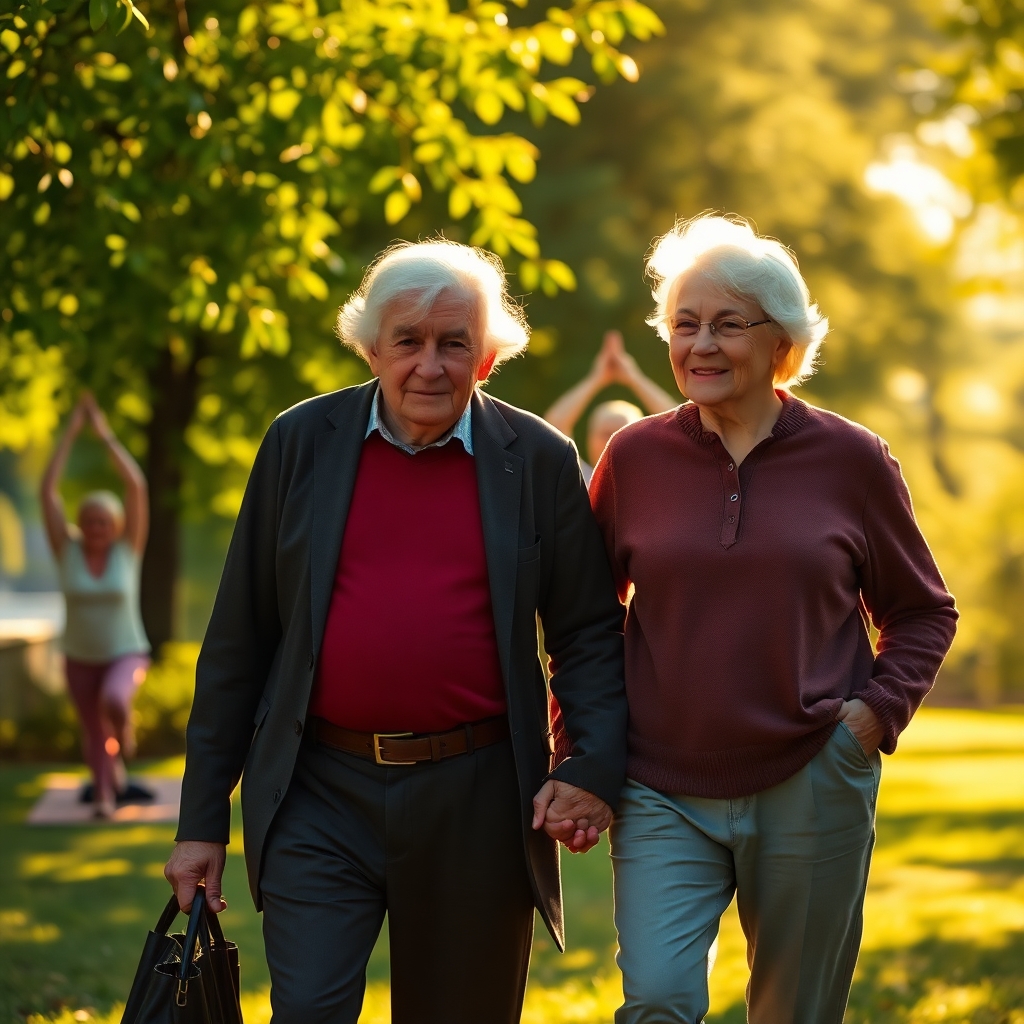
(944, 938)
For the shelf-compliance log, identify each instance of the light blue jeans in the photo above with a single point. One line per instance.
(797, 858)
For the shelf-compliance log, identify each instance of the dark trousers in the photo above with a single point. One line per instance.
(439, 848)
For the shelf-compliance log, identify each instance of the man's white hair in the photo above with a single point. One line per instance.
(728, 252)
(415, 274)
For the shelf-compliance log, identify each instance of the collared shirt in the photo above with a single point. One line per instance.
(462, 431)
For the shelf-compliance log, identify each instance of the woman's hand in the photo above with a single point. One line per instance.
(863, 723)
(605, 368)
(97, 420)
(78, 416)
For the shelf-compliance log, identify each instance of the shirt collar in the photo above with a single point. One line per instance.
(462, 431)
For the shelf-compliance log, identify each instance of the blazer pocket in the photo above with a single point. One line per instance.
(528, 554)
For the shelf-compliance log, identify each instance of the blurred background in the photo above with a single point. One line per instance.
(184, 205)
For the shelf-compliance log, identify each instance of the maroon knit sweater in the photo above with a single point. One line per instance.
(746, 630)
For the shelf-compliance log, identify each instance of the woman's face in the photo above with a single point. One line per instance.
(711, 369)
(99, 527)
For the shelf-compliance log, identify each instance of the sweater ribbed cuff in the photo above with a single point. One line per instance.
(891, 710)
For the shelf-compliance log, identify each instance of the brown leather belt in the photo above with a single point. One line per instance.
(408, 748)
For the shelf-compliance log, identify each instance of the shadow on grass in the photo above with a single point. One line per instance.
(933, 980)
(940, 980)
(76, 903)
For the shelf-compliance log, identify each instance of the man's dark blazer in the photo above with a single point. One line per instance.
(545, 556)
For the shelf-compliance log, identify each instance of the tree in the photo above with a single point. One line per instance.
(184, 205)
(773, 109)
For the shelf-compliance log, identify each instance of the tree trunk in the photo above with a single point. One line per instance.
(173, 390)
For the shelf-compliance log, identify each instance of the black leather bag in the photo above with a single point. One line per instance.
(189, 978)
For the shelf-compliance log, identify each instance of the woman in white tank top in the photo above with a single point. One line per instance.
(105, 646)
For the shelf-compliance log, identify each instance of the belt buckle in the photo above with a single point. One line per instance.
(378, 736)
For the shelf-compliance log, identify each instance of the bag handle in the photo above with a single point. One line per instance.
(170, 912)
(216, 932)
(196, 919)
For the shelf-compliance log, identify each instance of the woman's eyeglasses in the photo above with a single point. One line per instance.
(728, 326)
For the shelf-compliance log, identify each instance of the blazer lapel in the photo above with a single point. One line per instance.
(335, 464)
(499, 475)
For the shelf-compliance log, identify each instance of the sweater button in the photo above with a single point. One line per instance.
(732, 519)
(734, 497)
(277, 795)
(731, 467)
(298, 727)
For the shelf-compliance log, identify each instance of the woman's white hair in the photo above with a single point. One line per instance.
(106, 500)
(415, 274)
(728, 252)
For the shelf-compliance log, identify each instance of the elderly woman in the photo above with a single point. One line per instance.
(371, 663)
(760, 536)
(105, 646)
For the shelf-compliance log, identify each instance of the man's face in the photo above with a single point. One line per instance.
(428, 366)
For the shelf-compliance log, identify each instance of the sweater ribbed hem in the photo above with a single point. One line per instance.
(727, 774)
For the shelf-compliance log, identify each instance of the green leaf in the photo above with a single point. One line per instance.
(128, 8)
(428, 152)
(529, 275)
(459, 202)
(384, 179)
(521, 165)
(282, 104)
(248, 20)
(97, 14)
(563, 107)
(117, 73)
(561, 273)
(489, 107)
(396, 206)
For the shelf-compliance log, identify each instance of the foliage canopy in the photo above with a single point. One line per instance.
(185, 204)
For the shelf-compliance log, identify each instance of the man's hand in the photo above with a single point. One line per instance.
(191, 863)
(863, 723)
(571, 815)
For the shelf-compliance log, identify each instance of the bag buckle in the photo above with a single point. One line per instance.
(378, 736)
(181, 996)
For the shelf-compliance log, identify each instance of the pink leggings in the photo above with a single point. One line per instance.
(103, 695)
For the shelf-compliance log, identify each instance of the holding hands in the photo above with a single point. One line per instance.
(570, 815)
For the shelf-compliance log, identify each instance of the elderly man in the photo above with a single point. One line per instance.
(371, 667)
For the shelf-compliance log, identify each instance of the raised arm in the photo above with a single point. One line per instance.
(49, 493)
(566, 412)
(626, 371)
(136, 497)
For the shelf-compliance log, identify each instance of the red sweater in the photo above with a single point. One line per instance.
(409, 643)
(745, 632)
